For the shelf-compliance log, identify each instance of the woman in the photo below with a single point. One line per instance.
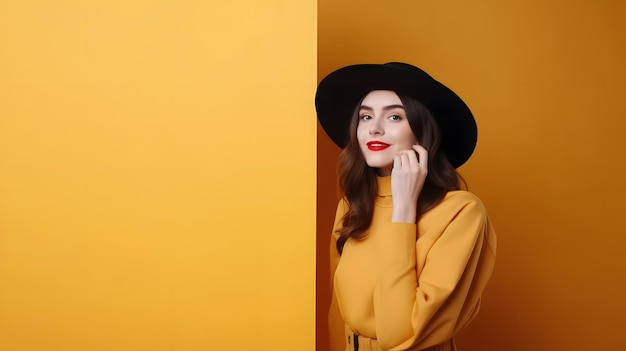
(410, 252)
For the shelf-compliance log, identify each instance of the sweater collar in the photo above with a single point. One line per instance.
(383, 186)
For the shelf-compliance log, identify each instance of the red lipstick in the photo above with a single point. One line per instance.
(376, 145)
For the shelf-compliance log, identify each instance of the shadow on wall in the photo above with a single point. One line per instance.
(327, 154)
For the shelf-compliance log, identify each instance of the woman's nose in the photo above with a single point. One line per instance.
(376, 128)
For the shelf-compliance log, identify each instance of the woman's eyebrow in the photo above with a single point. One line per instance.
(390, 107)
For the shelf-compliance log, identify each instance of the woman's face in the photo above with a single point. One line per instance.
(383, 129)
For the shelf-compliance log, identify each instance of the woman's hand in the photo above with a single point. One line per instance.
(408, 174)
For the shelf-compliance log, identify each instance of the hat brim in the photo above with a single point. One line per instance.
(339, 92)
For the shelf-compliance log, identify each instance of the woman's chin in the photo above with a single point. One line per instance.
(382, 169)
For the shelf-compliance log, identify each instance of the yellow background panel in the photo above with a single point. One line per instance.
(157, 180)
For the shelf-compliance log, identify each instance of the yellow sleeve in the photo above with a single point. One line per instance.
(428, 309)
(335, 322)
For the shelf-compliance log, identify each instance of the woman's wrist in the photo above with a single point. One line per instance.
(404, 215)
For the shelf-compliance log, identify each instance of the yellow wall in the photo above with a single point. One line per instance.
(157, 175)
(546, 81)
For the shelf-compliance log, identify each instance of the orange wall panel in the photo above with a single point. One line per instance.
(544, 80)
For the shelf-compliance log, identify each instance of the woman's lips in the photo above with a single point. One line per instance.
(377, 145)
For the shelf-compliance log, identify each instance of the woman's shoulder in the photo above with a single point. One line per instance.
(343, 206)
(462, 196)
(460, 200)
(459, 206)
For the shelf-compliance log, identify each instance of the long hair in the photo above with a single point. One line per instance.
(357, 180)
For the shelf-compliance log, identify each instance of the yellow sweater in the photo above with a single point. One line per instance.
(407, 286)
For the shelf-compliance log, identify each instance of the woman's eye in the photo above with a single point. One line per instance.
(395, 117)
(366, 117)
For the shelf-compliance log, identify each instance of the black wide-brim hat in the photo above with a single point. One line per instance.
(338, 94)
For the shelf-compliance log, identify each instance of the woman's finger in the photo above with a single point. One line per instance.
(397, 162)
(422, 155)
(409, 159)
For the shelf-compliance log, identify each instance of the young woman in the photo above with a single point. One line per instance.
(410, 252)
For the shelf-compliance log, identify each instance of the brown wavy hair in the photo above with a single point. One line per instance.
(357, 180)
